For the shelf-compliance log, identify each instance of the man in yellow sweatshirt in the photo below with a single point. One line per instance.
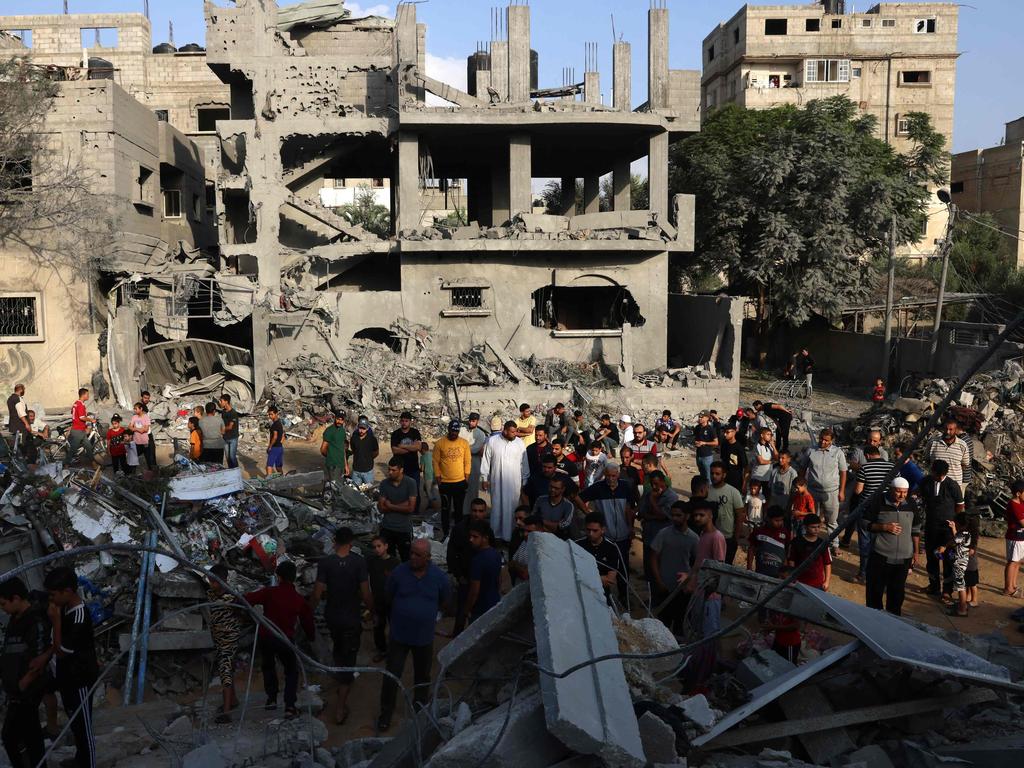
(452, 462)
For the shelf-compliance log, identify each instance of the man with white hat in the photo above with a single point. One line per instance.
(626, 429)
(895, 538)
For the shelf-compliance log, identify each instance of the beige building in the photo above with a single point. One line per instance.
(891, 59)
(989, 181)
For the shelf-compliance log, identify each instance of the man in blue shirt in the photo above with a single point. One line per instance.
(910, 471)
(484, 571)
(417, 590)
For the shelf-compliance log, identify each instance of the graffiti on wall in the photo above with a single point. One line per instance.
(16, 366)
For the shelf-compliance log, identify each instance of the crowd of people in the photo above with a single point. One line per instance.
(602, 485)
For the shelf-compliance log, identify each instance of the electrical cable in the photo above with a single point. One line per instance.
(854, 516)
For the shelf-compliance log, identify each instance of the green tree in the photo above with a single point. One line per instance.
(790, 201)
(365, 211)
(551, 196)
(639, 200)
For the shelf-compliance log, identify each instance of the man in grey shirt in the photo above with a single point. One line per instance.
(824, 468)
(213, 441)
(896, 538)
(673, 552)
(397, 501)
(476, 436)
(857, 457)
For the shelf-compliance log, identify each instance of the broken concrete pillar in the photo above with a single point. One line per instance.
(525, 742)
(466, 651)
(590, 711)
(518, 52)
(657, 173)
(405, 45)
(499, 68)
(568, 196)
(592, 87)
(622, 180)
(684, 209)
(622, 62)
(657, 58)
(520, 176)
(591, 194)
(408, 195)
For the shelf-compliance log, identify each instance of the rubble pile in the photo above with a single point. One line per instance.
(607, 225)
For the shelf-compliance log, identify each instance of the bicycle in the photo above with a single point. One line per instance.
(57, 449)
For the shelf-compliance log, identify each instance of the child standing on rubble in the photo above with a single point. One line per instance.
(819, 572)
(117, 436)
(275, 444)
(195, 439)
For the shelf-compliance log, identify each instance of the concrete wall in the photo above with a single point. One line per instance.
(511, 281)
(705, 329)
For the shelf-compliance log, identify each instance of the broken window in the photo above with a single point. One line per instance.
(20, 317)
(827, 71)
(172, 203)
(207, 117)
(711, 53)
(99, 37)
(24, 35)
(161, 115)
(775, 26)
(585, 308)
(915, 77)
(197, 208)
(736, 35)
(924, 26)
(239, 225)
(956, 187)
(812, 25)
(837, 23)
(889, 23)
(145, 191)
(17, 177)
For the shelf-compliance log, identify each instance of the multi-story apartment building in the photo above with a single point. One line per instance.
(989, 181)
(891, 59)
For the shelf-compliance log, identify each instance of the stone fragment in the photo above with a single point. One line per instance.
(871, 756)
(658, 739)
(206, 756)
(697, 710)
(760, 667)
(181, 727)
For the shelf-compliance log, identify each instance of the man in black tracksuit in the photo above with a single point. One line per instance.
(26, 638)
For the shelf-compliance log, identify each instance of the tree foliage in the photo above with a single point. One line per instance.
(551, 195)
(365, 211)
(790, 201)
(49, 208)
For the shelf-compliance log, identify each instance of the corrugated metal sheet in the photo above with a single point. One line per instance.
(176, 362)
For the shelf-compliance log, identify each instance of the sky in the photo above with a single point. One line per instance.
(989, 90)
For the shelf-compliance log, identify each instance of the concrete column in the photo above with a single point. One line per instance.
(568, 196)
(518, 52)
(500, 178)
(407, 198)
(520, 191)
(405, 44)
(622, 59)
(591, 194)
(657, 174)
(592, 87)
(499, 68)
(657, 58)
(483, 81)
(621, 186)
(421, 58)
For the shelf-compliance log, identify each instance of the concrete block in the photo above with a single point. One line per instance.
(871, 756)
(542, 222)
(658, 739)
(172, 641)
(179, 728)
(590, 711)
(610, 220)
(184, 621)
(476, 641)
(525, 743)
(697, 710)
(760, 667)
(206, 756)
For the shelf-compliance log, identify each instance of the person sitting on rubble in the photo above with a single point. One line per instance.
(195, 439)
(213, 441)
(225, 629)
(283, 607)
(117, 436)
(519, 563)
(275, 442)
(38, 433)
(667, 430)
(607, 435)
(556, 421)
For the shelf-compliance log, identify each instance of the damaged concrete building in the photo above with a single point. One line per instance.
(285, 102)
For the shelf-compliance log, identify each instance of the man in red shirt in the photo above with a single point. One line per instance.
(80, 421)
(1014, 538)
(284, 607)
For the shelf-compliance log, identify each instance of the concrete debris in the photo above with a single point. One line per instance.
(658, 739)
(697, 710)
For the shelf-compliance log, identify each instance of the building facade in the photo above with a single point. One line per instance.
(891, 59)
(989, 181)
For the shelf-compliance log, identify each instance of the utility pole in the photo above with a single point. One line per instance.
(947, 246)
(883, 371)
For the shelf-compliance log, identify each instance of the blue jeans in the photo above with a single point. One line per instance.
(362, 478)
(231, 451)
(863, 545)
(704, 466)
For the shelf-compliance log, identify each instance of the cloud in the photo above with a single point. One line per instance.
(447, 69)
(380, 9)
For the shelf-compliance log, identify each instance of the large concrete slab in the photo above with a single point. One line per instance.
(525, 742)
(590, 711)
(477, 640)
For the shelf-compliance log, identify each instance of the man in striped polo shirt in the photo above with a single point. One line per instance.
(869, 478)
(952, 450)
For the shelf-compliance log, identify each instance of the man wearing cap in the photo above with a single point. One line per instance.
(365, 449)
(476, 436)
(332, 448)
(895, 537)
(452, 464)
(626, 429)
(503, 473)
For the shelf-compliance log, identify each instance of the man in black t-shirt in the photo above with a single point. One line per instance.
(230, 431)
(734, 457)
(783, 418)
(609, 558)
(364, 449)
(405, 445)
(345, 579)
(75, 649)
(26, 637)
(275, 443)
(705, 438)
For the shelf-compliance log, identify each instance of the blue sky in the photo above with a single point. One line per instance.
(989, 91)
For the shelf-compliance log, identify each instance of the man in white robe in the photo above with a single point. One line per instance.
(504, 471)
